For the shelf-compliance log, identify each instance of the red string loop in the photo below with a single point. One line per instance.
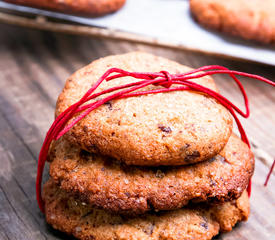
(163, 79)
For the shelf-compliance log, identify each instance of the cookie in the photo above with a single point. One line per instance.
(174, 128)
(111, 185)
(251, 20)
(92, 8)
(195, 222)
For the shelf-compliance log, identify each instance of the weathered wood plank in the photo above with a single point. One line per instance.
(18, 208)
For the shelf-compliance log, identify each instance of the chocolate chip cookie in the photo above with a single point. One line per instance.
(252, 20)
(174, 128)
(200, 222)
(109, 184)
(92, 8)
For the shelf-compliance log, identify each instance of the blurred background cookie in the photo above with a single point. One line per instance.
(92, 8)
(251, 20)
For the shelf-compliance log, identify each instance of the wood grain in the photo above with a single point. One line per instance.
(33, 68)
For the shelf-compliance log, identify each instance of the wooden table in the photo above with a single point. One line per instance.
(33, 68)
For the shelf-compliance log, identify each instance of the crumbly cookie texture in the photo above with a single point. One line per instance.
(199, 222)
(109, 184)
(92, 8)
(252, 20)
(174, 128)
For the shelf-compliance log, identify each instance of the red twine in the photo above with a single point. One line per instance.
(163, 79)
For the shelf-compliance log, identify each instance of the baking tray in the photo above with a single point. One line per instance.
(159, 22)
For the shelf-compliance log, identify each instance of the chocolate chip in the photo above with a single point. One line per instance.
(85, 129)
(204, 225)
(164, 129)
(191, 157)
(109, 104)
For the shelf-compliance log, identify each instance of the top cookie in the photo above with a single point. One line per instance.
(92, 8)
(252, 20)
(174, 128)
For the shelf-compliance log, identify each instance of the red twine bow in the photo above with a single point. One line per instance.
(162, 79)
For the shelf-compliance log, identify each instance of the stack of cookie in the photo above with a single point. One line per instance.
(159, 166)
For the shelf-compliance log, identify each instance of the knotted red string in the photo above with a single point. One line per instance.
(162, 79)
